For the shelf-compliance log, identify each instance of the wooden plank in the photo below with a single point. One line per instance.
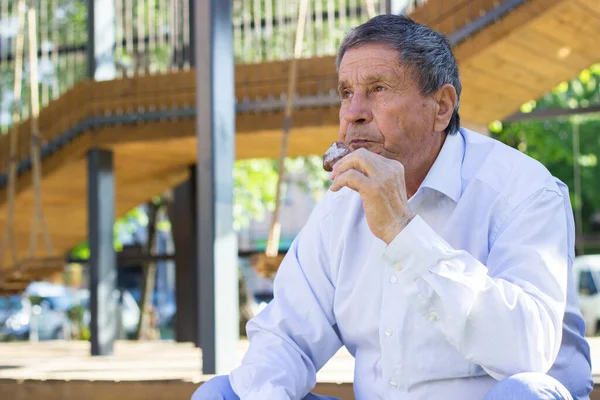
(433, 11)
(556, 27)
(463, 14)
(579, 16)
(302, 118)
(540, 64)
(479, 79)
(558, 50)
(526, 14)
(591, 5)
(520, 74)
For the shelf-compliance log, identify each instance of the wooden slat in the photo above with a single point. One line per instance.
(524, 16)
(558, 50)
(461, 15)
(563, 30)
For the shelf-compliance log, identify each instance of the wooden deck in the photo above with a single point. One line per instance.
(518, 58)
(144, 370)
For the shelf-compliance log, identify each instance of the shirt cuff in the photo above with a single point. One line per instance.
(416, 248)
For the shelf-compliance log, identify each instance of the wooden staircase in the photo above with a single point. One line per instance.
(149, 121)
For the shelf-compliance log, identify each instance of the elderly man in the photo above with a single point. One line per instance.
(440, 257)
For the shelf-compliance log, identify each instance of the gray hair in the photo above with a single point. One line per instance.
(426, 53)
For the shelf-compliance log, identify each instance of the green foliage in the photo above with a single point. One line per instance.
(255, 185)
(551, 142)
(126, 224)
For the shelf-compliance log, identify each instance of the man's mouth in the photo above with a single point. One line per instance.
(359, 143)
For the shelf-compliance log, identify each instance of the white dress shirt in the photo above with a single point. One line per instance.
(471, 291)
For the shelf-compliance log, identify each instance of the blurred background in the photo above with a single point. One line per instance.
(118, 251)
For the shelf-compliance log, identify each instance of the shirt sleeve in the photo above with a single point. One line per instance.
(296, 334)
(505, 316)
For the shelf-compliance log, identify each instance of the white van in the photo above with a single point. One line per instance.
(586, 272)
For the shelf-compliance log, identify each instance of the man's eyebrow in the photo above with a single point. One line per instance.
(367, 80)
(343, 84)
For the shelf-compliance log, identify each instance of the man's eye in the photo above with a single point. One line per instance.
(345, 94)
(379, 88)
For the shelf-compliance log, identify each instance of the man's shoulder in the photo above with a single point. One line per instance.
(510, 173)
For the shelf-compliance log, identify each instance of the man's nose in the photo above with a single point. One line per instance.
(357, 112)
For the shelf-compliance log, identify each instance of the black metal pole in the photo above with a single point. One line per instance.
(182, 213)
(217, 243)
(91, 41)
(192, 38)
(103, 265)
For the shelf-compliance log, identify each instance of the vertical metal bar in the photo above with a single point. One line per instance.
(185, 34)
(44, 31)
(5, 44)
(257, 34)
(151, 24)
(310, 44)
(217, 242)
(331, 25)
(119, 35)
(128, 23)
(103, 261)
(247, 52)
(237, 29)
(91, 45)
(191, 34)
(182, 213)
(280, 29)
(70, 57)
(268, 33)
(172, 35)
(352, 12)
(318, 31)
(101, 40)
(177, 30)
(162, 22)
(141, 36)
(55, 58)
(577, 179)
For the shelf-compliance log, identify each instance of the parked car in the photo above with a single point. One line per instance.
(42, 313)
(39, 314)
(586, 273)
(8, 306)
(130, 311)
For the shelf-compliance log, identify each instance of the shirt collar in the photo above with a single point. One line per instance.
(444, 175)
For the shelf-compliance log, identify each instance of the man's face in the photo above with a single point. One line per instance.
(382, 108)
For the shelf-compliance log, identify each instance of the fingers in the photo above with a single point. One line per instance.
(353, 179)
(360, 160)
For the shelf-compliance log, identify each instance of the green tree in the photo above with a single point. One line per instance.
(551, 141)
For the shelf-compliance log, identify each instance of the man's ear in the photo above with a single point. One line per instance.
(446, 99)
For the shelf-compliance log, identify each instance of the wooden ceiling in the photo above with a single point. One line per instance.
(518, 58)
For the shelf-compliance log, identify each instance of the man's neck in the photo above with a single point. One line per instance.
(414, 177)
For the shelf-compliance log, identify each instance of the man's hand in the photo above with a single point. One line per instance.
(380, 183)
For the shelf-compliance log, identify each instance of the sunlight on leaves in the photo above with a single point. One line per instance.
(528, 107)
(496, 126)
(588, 160)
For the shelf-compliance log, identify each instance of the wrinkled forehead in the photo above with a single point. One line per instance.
(370, 63)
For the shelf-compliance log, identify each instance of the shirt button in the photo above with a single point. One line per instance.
(393, 383)
(432, 317)
(388, 332)
(398, 266)
(393, 279)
